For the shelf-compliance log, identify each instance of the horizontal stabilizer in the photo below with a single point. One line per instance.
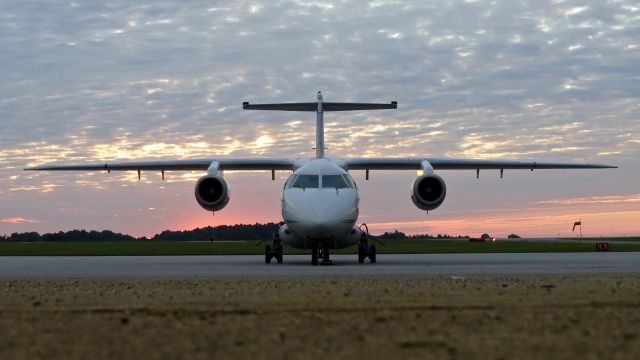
(326, 106)
(310, 106)
(336, 106)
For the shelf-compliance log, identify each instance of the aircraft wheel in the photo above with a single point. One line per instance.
(267, 254)
(279, 255)
(314, 257)
(361, 254)
(326, 260)
(372, 254)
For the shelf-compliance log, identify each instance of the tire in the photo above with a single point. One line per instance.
(361, 255)
(267, 254)
(314, 257)
(372, 254)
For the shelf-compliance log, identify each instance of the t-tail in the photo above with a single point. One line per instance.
(320, 107)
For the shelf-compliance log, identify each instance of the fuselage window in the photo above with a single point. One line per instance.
(334, 182)
(306, 181)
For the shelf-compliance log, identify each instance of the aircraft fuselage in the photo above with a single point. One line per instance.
(320, 207)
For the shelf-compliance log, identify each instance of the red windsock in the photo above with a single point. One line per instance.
(576, 224)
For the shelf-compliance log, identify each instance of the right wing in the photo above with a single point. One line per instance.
(458, 164)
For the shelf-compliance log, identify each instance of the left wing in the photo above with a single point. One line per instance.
(184, 165)
(457, 164)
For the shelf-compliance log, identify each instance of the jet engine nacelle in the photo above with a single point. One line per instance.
(428, 191)
(212, 192)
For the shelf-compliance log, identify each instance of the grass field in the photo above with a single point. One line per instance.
(626, 238)
(249, 248)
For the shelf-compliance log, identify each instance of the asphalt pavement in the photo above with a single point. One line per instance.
(180, 267)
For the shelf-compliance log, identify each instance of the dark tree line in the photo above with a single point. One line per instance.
(73, 235)
(222, 232)
(399, 235)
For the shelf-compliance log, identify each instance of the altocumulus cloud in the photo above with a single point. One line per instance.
(94, 81)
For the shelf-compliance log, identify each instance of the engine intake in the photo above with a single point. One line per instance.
(428, 191)
(212, 192)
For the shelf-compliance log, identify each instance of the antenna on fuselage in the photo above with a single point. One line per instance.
(320, 107)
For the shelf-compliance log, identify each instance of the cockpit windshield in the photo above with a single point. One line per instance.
(313, 181)
(306, 181)
(334, 182)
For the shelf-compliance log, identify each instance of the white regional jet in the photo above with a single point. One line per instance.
(320, 199)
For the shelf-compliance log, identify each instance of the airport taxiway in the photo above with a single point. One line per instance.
(139, 267)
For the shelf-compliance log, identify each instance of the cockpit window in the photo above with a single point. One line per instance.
(290, 181)
(350, 180)
(306, 181)
(334, 181)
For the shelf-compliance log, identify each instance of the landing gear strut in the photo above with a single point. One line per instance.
(320, 253)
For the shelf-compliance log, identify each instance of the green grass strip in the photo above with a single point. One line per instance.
(250, 248)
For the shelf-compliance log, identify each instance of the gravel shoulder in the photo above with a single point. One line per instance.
(524, 317)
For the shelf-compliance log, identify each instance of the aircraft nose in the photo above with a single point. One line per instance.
(321, 214)
(318, 222)
(329, 220)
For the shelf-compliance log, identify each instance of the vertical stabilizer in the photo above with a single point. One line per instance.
(319, 128)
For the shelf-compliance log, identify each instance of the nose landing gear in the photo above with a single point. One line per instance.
(320, 253)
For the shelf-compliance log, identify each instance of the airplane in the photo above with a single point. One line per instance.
(320, 198)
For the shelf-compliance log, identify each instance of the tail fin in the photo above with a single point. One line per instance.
(319, 107)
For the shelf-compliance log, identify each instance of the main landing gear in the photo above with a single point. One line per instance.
(364, 249)
(275, 251)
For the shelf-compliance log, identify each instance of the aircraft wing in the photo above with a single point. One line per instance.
(458, 164)
(177, 165)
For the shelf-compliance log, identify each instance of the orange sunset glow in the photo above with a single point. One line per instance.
(526, 81)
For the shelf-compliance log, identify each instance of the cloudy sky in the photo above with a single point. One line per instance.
(533, 80)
